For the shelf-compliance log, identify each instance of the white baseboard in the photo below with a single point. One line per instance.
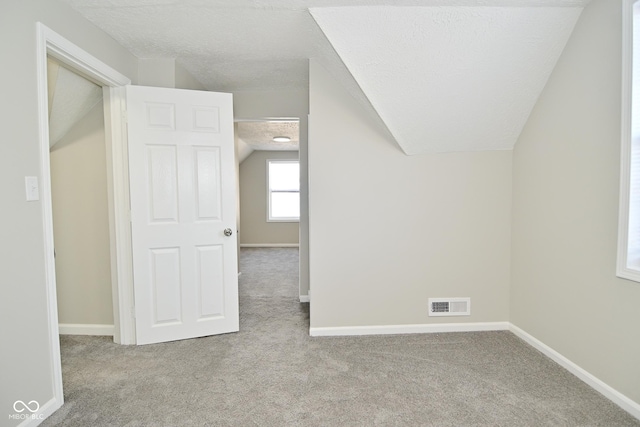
(408, 329)
(78, 329)
(269, 245)
(600, 386)
(304, 298)
(40, 415)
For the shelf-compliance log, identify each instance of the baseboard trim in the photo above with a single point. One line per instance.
(304, 298)
(628, 405)
(44, 412)
(408, 329)
(597, 384)
(269, 245)
(79, 329)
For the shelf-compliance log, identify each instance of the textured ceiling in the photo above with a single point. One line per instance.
(259, 135)
(450, 78)
(265, 45)
(71, 97)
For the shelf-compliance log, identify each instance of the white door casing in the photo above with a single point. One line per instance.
(182, 187)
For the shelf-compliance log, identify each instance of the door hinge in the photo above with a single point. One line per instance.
(125, 118)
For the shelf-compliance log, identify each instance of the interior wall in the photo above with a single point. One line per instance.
(388, 231)
(81, 223)
(157, 72)
(166, 72)
(26, 368)
(565, 211)
(185, 80)
(284, 103)
(253, 202)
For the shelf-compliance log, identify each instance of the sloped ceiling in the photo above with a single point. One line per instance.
(71, 97)
(450, 78)
(437, 75)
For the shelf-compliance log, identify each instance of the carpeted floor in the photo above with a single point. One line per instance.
(272, 373)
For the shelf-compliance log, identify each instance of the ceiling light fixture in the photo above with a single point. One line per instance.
(281, 139)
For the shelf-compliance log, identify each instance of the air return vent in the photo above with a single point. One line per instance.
(449, 306)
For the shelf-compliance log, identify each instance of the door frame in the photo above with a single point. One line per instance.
(48, 42)
(303, 232)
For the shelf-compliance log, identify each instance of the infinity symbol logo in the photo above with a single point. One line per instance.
(27, 406)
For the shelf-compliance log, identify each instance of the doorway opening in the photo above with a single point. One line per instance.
(269, 184)
(51, 45)
(79, 201)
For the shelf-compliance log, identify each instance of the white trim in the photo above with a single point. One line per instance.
(269, 245)
(79, 329)
(49, 42)
(47, 217)
(119, 221)
(43, 413)
(80, 60)
(408, 329)
(600, 386)
(305, 298)
(622, 265)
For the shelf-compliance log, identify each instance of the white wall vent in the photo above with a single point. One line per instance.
(449, 306)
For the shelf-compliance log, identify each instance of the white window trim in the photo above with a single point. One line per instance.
(269, 219)
(623, 269)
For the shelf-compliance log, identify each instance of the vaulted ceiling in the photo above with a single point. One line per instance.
(438, 75)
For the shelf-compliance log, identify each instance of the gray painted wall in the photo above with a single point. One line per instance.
(565, 211)
(81, 223)
(388, 231)
(254, 228)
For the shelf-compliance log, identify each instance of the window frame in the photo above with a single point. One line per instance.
(269, 217)
(624, 269)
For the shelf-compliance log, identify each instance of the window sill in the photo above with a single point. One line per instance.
(633, 275)
(284, 220)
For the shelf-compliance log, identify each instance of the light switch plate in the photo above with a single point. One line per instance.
(33, 191)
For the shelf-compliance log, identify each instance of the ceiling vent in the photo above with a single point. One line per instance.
(449, 306)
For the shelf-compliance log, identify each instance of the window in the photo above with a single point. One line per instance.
(283, 190)
(628, 265)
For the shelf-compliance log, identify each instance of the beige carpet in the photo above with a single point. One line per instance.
(272, 373)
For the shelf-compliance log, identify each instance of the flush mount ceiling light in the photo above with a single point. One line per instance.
(281, 139)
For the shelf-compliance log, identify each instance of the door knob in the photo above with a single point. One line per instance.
(228, 232)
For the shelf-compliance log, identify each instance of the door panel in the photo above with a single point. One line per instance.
(209, 192)
(164, 183)
(166, 285)
(182, 174)
(210, 268)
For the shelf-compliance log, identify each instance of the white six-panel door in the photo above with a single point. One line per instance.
(182, 181)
